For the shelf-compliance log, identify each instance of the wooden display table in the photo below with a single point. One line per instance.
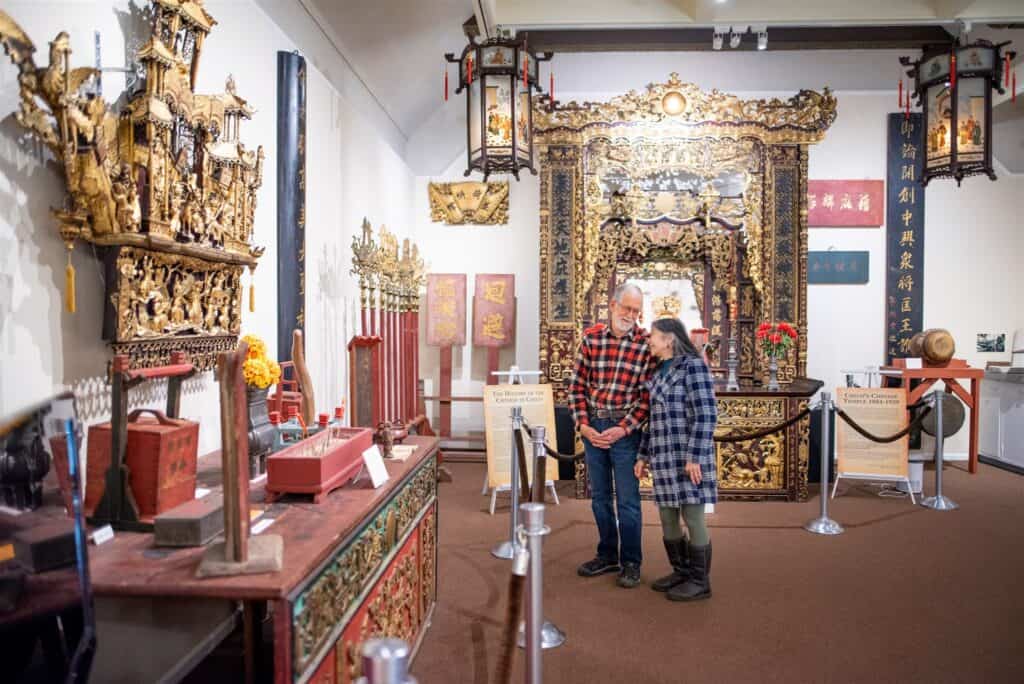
(950, 373)
(358, 565)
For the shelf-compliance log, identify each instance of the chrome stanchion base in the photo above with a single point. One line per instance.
(940, 503)
(550, 636)
(824, 526)
(505, 550)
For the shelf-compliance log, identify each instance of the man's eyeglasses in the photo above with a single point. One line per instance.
(631, 310)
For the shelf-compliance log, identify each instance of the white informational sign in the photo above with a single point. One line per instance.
(538, 406)
(374, 463)
(882, 412)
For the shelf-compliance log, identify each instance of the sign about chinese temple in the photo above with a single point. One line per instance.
(845, 203)
(837, 268)
(494, 310)
(446, 309)
(904, 239)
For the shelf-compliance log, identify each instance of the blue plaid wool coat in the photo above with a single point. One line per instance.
(679, 431)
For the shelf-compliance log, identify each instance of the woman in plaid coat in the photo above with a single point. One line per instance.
(679, 448)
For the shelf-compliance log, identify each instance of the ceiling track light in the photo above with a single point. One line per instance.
(762, 37)
(736, 35)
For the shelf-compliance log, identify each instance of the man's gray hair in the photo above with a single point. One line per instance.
(622, 289)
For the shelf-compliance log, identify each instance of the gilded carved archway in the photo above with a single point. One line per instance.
(676, 174)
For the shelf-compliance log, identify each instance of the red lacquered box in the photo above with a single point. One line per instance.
(161, 460)
(317, 465)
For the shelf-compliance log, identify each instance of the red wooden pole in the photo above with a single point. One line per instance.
(445, 393)
(492, 364)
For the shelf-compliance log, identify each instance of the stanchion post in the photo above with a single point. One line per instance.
(534, 531)
(507, 549)
(386, 661)
(939, 502)
(823, 524)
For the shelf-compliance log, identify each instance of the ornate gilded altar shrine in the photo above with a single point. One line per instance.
(699, 197)
(159, 182)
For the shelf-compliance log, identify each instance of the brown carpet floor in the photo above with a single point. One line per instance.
(905, 595)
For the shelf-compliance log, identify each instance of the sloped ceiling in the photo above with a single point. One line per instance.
(397, 48)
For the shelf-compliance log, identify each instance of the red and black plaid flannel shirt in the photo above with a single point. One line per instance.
(612, 373)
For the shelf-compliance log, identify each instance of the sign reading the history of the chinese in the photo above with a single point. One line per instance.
(880, 411)
(904, 227)
(446, 309)
(837, 268)
(846, 203)
(538, 406)
(494, 310)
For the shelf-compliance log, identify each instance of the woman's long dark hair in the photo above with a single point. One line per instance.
(681, 343)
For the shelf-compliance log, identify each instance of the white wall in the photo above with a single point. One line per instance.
(973, 240)
(352, 170)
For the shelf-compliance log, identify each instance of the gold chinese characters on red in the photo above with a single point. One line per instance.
(494, 310)
(446, 309)
(845, 203)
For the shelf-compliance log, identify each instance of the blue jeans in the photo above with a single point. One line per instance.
(602, 465)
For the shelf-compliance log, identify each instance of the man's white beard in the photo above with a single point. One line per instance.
(622, 325)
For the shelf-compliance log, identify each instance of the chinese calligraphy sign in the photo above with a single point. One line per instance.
(494, 310)
(446, 309)
(845, 203)
(837, 268)
(904, 274)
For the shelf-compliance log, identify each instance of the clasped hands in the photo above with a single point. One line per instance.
(692, 470)
(603, 440)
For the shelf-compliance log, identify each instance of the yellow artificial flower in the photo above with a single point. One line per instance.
(257, 348)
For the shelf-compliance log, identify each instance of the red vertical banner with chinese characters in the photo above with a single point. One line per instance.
(446, 309)
(845, 203)
(904, 228)
(494, 310)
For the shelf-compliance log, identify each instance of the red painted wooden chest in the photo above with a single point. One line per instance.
(161, 460)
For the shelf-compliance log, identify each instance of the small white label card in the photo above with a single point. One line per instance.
(913, 362)
(102, 535)
(375, 466)
(201, 492)
(262, 525)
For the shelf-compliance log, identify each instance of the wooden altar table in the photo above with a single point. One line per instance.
(359, 565)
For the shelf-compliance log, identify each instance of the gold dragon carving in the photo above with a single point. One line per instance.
(161, 177)
(469, 202)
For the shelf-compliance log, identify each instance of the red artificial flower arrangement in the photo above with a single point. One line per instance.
(776, 338)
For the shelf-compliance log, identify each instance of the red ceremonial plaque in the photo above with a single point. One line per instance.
(494, 310)
(446, 309)
(845, 203)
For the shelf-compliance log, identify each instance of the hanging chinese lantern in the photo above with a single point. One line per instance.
(954, 84)
(500, 77)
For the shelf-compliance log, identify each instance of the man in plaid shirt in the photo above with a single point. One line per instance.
(610, 403)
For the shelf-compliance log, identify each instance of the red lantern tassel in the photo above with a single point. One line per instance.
(526, 64)
(906, 115)
(551, 88)
(952, 70)
(1006, 71)
(1013, 97)
(446, 84)
(901, 94)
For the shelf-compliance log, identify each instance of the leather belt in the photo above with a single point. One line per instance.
(609, 414)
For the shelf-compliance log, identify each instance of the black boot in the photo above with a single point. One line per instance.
(699, 585)
(677, 558)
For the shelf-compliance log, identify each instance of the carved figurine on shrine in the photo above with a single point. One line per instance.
(161, 177)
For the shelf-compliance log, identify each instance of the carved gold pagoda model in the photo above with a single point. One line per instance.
(702, 189)
(161, 183)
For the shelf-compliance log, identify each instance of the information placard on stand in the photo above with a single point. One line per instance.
(537, 403)
(880, 411)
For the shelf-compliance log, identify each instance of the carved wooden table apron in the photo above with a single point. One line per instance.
(770, 467)
(359, 565)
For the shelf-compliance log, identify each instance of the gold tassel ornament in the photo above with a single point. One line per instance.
(69, 283)
(252, 291)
